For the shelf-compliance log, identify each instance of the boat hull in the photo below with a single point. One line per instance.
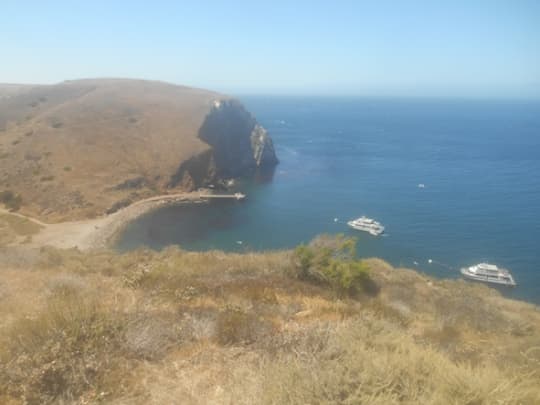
(486, 279)
(370, 231)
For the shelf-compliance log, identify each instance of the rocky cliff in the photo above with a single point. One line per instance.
(239, 145)
(78, 148)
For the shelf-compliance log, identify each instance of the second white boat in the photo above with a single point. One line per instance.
(367, 225)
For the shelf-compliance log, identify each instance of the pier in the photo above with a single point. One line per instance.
(200, 196)
(236, 196)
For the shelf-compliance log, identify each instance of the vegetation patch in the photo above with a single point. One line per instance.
(273, 328)
(11, 200)
(368, 360)
(133, 183)
(119, 205)
(62, 353)
(235, 326)
(331, 260)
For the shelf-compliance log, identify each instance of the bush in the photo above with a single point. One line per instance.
(331, 260)
(234, 326)
(11, 200)
(61, 353)
(118, 205)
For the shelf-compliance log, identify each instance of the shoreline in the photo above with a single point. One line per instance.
(101, 232)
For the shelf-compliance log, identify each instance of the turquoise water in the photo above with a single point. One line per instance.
(342, 158)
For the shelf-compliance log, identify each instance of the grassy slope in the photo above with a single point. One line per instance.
(179, 327)
(13, 228)
(63, 147)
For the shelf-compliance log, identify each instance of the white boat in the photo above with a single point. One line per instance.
(488, 273)
(367, 225)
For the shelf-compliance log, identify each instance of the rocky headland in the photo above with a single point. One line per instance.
(80, 149)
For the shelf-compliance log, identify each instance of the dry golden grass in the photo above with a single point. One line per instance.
(13, 228)
(21, 226)
(185, 327)
(368, 360)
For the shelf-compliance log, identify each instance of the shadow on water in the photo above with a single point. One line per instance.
(184, 224)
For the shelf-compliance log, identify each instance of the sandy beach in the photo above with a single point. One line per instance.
(99, 232)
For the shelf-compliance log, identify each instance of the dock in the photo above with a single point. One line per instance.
(236, 196)
(201, 196)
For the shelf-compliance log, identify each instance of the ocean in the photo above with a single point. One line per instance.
(340, 158)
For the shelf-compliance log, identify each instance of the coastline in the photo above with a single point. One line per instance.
(101, 232)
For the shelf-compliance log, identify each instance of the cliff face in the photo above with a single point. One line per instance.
(78, 148)
(239, 145)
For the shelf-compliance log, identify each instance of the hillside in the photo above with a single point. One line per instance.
(82, 148)
(197, 328)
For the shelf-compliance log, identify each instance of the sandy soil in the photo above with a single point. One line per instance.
(99, 232)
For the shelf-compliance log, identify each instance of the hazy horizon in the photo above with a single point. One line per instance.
(388, 49)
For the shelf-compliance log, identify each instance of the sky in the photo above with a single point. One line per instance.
(459, 48)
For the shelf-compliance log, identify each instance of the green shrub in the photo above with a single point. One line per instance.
(331, 260)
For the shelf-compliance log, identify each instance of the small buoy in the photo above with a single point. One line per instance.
(430, 261)
(335, 219)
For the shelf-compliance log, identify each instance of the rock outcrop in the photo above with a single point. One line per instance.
(239, 143)
(239, 146)
(75, 149)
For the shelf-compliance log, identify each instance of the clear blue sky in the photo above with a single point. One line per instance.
(442, 48)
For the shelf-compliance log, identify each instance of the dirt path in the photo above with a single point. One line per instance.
(99, 232)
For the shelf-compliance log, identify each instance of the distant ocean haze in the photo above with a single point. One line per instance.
(478, 162)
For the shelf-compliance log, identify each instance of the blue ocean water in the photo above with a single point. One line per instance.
(345, 157)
